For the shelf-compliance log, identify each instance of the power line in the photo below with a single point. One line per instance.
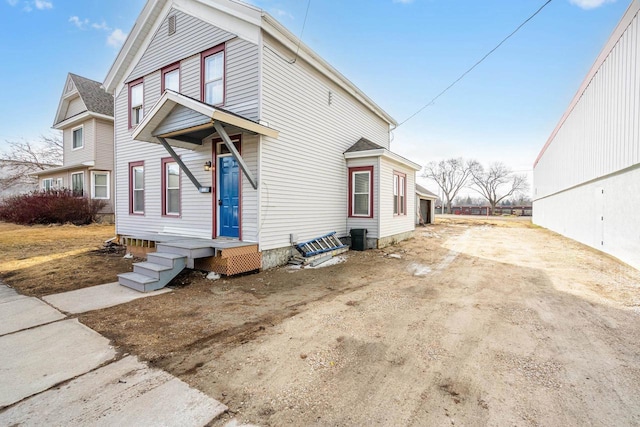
(475, 65)
(304, 24)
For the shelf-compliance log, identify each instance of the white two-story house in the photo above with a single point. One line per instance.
(85, 117)
(227, 127)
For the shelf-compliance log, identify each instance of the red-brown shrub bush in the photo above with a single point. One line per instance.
(50, 207)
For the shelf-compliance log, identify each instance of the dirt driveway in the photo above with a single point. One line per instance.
(469, 323)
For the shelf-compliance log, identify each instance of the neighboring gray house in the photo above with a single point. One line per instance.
(85, 117)
(587, 176)
(425, 206)
(310, 152)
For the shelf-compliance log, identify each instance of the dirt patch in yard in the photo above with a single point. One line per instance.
(468, 323)
(43, 260)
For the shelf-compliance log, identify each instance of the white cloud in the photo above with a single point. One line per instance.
(13, 2)
(43, 4)
(116, 38)
(80, 23)
(589, 4)
(101, 26)
(403, 1)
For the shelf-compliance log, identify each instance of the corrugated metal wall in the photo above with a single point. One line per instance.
(601, 134)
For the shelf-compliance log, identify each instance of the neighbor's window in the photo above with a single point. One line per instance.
(171, 78)
(399, 191)
(77, 183)
(213, 76)
(136, 188)
(47, 184)
(360, 185)
(170, 187)
(100, 189)
(136, 101)
(78, 141)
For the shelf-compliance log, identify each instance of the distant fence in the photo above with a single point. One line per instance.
(485, 210)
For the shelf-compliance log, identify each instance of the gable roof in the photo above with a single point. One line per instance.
(94, 97)
(364, 144)
(241, 12)
(95, 100)
(424, 192)
(365, 148)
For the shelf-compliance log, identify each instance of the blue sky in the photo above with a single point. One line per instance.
(401, 53)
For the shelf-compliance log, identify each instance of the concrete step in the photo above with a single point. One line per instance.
(163, 258)
(150, 269)
(137, 281)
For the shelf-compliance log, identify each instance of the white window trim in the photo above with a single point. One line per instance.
(72, 132)
(167, 188)
(205, 82)
(93, 185)
(44, 187)
(133, 189)
(83, 182)
(353, 194)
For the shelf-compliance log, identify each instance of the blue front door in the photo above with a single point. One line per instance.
(228, 190)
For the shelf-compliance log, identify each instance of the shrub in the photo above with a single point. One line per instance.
(50, 207)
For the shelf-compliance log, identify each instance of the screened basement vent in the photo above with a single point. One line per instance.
(172, 24)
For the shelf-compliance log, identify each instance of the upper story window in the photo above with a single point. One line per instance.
(171, 78)
(213, 75)
(136, 101)
(399, 191)
(78, 138)
(360, 192)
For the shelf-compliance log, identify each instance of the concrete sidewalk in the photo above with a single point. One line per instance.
(56, 371)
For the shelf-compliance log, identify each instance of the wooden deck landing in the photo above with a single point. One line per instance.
(223, 256)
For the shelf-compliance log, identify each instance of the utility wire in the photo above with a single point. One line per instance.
(304, 24)
(474, 65)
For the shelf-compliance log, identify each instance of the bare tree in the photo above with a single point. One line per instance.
(497, 182)
(451, 175)
(24, 157)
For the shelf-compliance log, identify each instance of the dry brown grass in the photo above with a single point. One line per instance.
(40, 260)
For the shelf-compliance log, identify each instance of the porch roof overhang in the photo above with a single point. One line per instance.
(384, 153)
(189, 130)
(83, 165)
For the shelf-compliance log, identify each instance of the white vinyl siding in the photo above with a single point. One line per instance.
(249, 195)
(191, 77)
(76, 106)
(74, 157)
(304, 176)
(193, 36)
(152, 87)
(390, 223)
(242, 80)
(195, 217)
